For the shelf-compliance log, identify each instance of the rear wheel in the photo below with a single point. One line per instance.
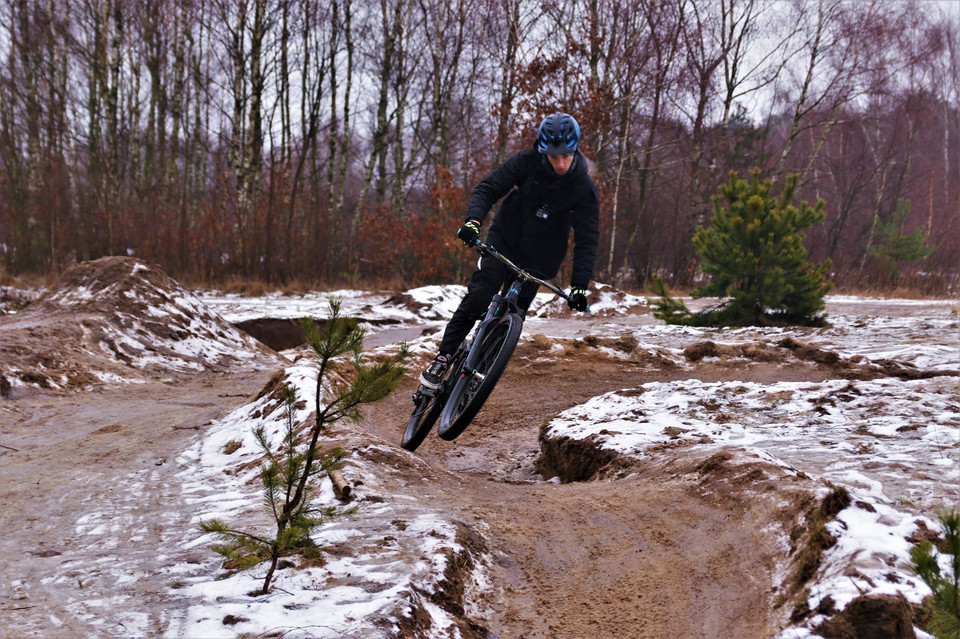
(473, 388)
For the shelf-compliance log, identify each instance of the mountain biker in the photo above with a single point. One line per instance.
(548, 192)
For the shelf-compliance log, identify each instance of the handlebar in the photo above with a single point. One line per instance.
(486, 249)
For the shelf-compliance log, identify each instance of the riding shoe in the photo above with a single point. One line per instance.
(432, 377)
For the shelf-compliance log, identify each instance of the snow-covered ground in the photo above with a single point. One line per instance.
(891, 443)
(894, 444)
(398, 547)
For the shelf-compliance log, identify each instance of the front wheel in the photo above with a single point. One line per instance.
(474, 387)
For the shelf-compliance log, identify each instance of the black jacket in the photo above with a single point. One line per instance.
(533, 224)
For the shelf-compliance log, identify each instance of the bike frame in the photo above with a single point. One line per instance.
(501, 304)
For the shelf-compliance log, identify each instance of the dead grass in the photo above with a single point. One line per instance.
(253, 287)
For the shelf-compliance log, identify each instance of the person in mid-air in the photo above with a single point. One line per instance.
(548, 192)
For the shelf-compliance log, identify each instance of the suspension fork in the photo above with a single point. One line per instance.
(511, 299)
(494, 311)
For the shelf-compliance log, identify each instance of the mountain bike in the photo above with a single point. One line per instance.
(477, 365)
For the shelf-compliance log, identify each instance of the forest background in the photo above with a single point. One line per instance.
(337, 142)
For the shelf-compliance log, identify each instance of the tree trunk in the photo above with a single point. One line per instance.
(254, 150)
(400, 89)
(346, 134)
(508, 78)
(239, 159)
(391, 32)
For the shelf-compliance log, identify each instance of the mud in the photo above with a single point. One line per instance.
(671, 546)
(67, 455)
(685, 545)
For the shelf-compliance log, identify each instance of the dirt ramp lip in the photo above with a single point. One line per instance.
(283, 333)
(572, 460)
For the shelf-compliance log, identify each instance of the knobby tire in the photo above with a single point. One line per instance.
(427, 410)
(495, 352)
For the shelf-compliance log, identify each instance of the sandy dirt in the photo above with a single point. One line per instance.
(581, 559)
(653, 554)
(682, 547)
(107, 451)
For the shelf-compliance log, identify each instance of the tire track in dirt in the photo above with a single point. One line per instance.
(92, 508)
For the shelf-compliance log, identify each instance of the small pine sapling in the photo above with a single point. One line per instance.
(280, 471)
(287, 470)
(944, 604)
(754, 255)
(892, 247)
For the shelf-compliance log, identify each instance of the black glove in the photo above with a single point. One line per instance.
(578, 299)
(469, 232)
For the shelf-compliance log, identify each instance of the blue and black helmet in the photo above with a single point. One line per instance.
(559, 134)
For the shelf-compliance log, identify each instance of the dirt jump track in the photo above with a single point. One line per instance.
(678, 549)
(689, 544)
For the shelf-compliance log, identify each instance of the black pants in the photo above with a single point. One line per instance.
(484, 284)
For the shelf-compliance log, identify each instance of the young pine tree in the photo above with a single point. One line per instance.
(754, 255)
(892, 247)
(289, 468)
(944, 604)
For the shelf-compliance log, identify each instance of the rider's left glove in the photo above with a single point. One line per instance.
(578, 299)
(469, 232)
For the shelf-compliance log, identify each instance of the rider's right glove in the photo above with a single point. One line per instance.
(469, 232)
(578, 299)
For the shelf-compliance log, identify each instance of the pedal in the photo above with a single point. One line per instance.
(422, 392)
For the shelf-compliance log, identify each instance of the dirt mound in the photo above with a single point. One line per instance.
(887, 616)
(112, 320)
(125, 284)
(594, 348)
(604, 300)
(407, 301)
(857, 367)
(758, 351)
(430, 307)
